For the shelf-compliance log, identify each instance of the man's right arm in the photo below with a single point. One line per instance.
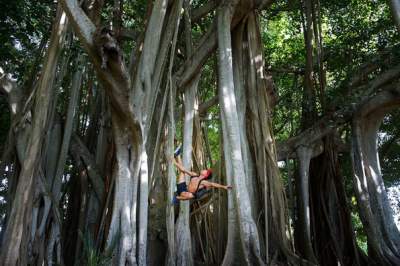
(182, 169)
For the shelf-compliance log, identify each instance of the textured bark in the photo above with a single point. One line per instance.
(375, 212)
(170, 210)
(333, 234)
(208, 43)
(54, 177)
(170, 223)
(42, 225)
(247, 227)
(184, 256)
(17, 229)
(182, 234)
(241, 104)
(127, 133)
(130, 118)
(233, 251)
(124, 216)
(262, 145)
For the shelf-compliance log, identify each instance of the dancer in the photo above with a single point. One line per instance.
(198, 183)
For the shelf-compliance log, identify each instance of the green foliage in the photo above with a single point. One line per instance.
(389, 147)
(353, 31)
(23, 23)
(361, 237)
(91, 256)
(207, 90)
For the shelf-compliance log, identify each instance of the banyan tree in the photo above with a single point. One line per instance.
(294, 104)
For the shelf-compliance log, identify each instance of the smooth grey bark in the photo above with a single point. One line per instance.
(233, 254)
(123, 221)
(127, 133)
(182, 233)
(168, 45)
(262, 145)
(303, 223)
(208, 43)
(129, 116)
(148, 79)
(247, 227)
(170, 210)
(21, 208)
(241, 103)
(170, 223)
(184, 255)
(375, 212)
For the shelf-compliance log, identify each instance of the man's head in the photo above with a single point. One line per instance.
(206, 174)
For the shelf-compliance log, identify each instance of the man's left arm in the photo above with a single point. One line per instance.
(216, 185)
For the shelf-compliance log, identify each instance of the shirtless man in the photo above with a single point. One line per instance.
(197, 183)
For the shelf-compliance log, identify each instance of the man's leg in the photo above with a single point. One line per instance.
(181, 177)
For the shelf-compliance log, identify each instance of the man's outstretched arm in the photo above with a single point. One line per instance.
(182, 169)
(216, 185)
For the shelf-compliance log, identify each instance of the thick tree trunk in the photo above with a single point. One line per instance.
(182, 234)
(247, 227)
(124, 217)
(239, 75)
(375, 212)
(233, 252)
(20, 216)
(131, 117)
(251, 86)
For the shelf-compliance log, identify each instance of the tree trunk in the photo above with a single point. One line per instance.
(333, 233)
(233, 253)
(182, 234)
(170, 223)
(308, 103)
(303, 222)
(262, 145)
(375, 212)
(20, 216)
(247, 227)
